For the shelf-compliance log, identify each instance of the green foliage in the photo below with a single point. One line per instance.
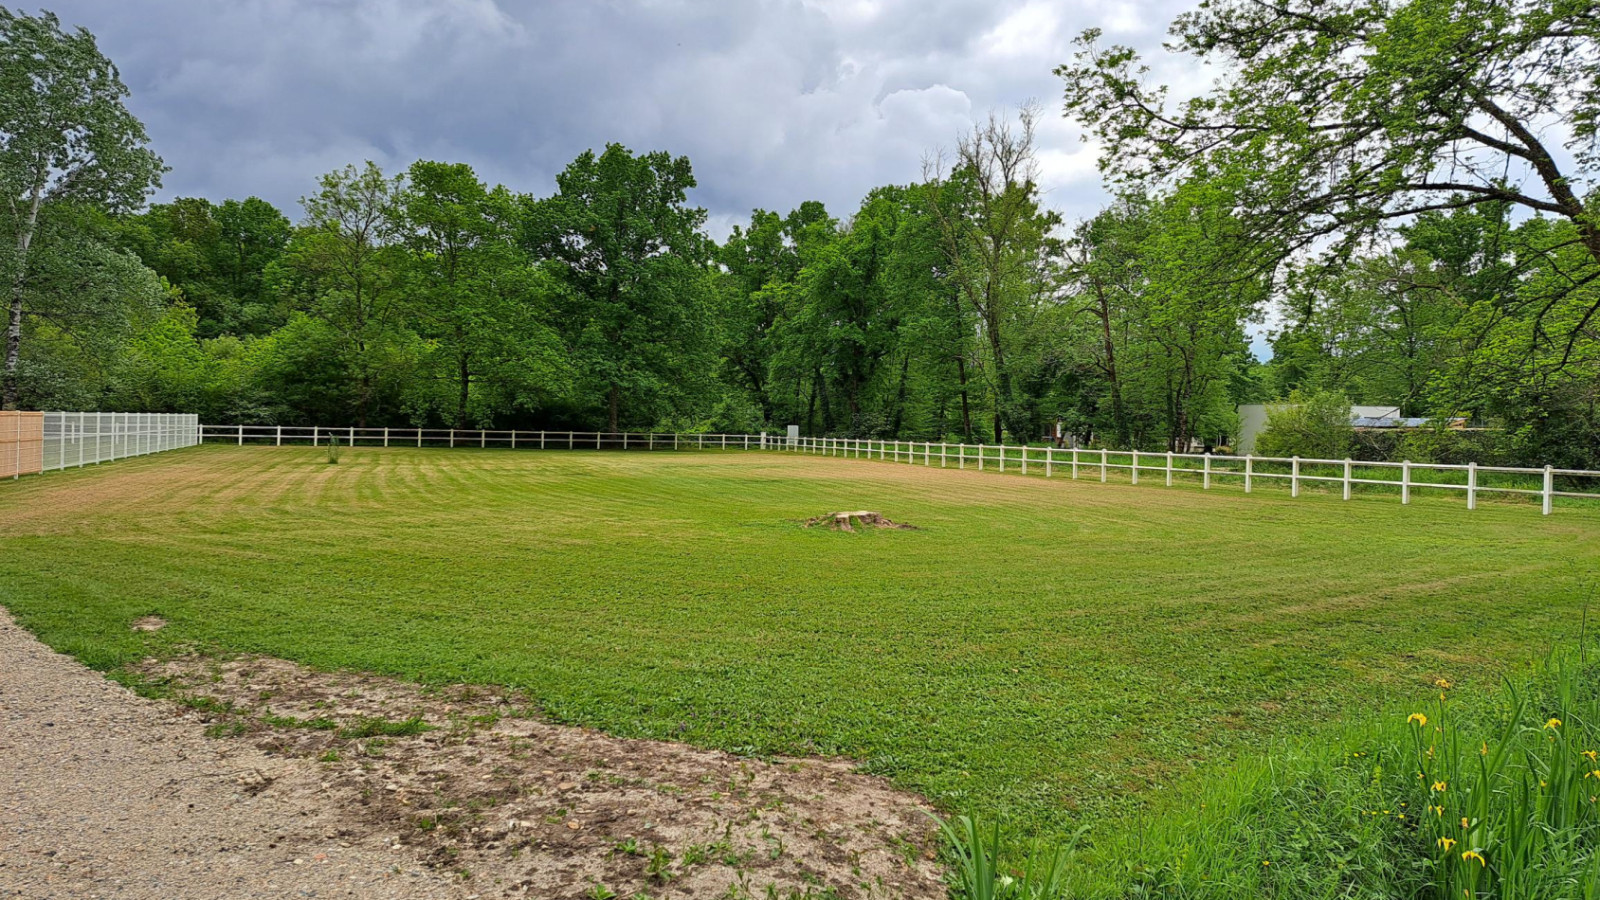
(1488, 796)
(981, 863)
(634, 296)
(1314, 426)
(65, 139)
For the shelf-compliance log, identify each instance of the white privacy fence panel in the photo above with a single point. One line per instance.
(1207, 470)
(74, 439)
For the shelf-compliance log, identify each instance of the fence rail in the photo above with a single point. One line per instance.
(77, 439)
(1471, 480)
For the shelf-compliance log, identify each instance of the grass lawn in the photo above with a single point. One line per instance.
(1058, 650)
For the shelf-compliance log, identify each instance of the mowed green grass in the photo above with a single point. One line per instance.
(1058, 650)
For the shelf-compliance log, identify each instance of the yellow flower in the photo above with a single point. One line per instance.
(1443, 683)
(1440, 786)
(1418, 718)
(1465, 823)
(1473, 854)
(1437, 810)
(1553, 723)
(1447, 843)
(1484, 750)
(1593, 757)
(1593, 774)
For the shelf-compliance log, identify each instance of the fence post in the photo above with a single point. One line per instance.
(513, 439)
(1103, 455)
(386, 436)
(452, 438)
(980, 457)
(419, 437)
(1135, 469)
(1074, 463)
(1205, 483)
(314, 437)
(241, 435)
(352, 439)
(1549, 489)
(1347, 478)
(1169, 468)
(278, 440)
(1405, 481)
(1294, 477)
(943, 457)
(1049, 457)
(1249, 466)
(1472, 485)
(483, 439)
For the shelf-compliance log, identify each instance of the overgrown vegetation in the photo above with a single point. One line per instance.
(1493, 796)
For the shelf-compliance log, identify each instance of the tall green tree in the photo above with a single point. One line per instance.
(65, 137)
(1001, 248)
(344, 268)
(1342, 117)
(627, 251)
(473, 293)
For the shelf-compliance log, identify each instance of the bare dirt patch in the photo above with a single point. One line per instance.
(850, 521)
(472, 781)
(148, 623)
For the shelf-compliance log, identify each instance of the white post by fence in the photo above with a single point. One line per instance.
(1135, 470)
(1103, 455)
(1049, 457)
(315, 438)
(1169, 468)
(1205, 480)
(980, 457)
(1294, 477)
(452, 438)
(1549, 489)
(279, 438)
(1472, 485)
(352, 442)
(1249, 466)
(1347, 478)
(1405, 481)
(386, 435)
(241, 435)
(483, 438)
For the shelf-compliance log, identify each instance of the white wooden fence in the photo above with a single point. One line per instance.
(1206, 469)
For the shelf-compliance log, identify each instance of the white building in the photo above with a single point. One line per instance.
(1253, 421)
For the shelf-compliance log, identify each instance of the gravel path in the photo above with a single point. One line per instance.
(106, 795)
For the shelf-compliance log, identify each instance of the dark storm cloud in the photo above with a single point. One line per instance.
(774, 102)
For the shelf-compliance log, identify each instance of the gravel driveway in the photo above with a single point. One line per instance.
(105, 794)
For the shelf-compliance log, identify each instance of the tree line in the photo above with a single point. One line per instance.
(957, 306)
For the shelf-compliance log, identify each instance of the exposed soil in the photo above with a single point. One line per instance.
(474, 784)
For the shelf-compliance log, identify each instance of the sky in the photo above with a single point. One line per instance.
(775, 102)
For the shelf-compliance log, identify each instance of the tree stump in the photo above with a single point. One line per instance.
(850, 521)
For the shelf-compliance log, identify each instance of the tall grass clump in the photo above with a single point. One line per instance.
(334, 450)
(1491, 797)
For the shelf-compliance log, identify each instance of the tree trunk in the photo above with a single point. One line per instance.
(465, 373)
(1119, 415)
(966, 402)
(19, 281)
(900, 397)
(616, 406)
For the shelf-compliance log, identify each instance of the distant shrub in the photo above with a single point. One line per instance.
(1314, 425)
